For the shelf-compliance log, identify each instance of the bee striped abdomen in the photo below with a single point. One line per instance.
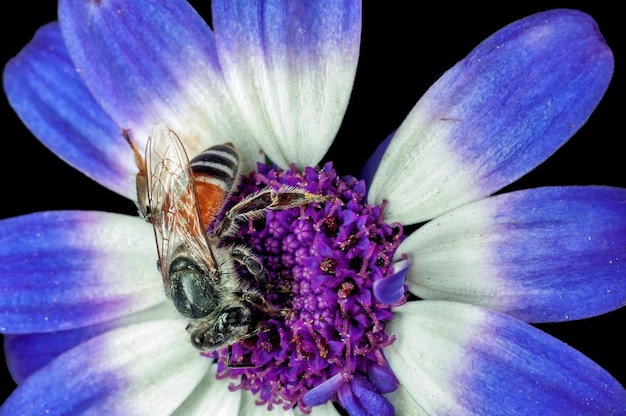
(215, 174)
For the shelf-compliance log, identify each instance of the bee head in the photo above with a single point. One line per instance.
(231, 325)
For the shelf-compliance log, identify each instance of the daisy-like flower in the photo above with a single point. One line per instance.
(374, 319)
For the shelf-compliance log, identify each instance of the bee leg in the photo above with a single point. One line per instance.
(244, 256)
(258, 301)
(256, 205)
(290, 197)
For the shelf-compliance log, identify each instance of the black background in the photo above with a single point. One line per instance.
(404, 50)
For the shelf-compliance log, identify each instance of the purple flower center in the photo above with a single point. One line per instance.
(323, 262)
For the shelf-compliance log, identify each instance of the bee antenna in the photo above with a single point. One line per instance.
(139, 160)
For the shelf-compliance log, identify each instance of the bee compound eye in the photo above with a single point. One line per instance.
(192, 291)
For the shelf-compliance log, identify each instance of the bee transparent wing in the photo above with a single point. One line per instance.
(172, 202)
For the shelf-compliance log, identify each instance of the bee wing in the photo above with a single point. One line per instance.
(172, 202)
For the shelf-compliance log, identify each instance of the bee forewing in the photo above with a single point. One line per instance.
(172, 201)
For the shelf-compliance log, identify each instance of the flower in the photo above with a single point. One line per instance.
(87, 306)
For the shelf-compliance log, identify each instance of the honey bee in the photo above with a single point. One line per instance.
(181, 199)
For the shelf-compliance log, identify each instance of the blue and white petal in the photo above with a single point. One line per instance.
(454, 358)
(152, 62)
(493, 117)
(27, 353)
(148, 368)
(49, 96)
(66, 269)
(290, 67)
(541, 255)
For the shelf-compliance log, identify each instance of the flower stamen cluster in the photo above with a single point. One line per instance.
(322, 262)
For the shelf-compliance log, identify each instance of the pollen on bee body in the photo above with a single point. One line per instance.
(320, 261)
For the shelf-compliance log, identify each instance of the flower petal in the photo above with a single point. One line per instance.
(367, 396)
(211, 397)
(323, 392)
(62, 270)
(405, 403)
(324, 410)
(454, 358)
(25, 354)
(371, 166)
(48, 95)
(28, 353)
(152, 62)
(493, 117)
(147, 368)
(542, 255)
(390, 289)
(290, 66)
(382, 378)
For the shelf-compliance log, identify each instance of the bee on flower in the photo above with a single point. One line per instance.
(256, 276)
